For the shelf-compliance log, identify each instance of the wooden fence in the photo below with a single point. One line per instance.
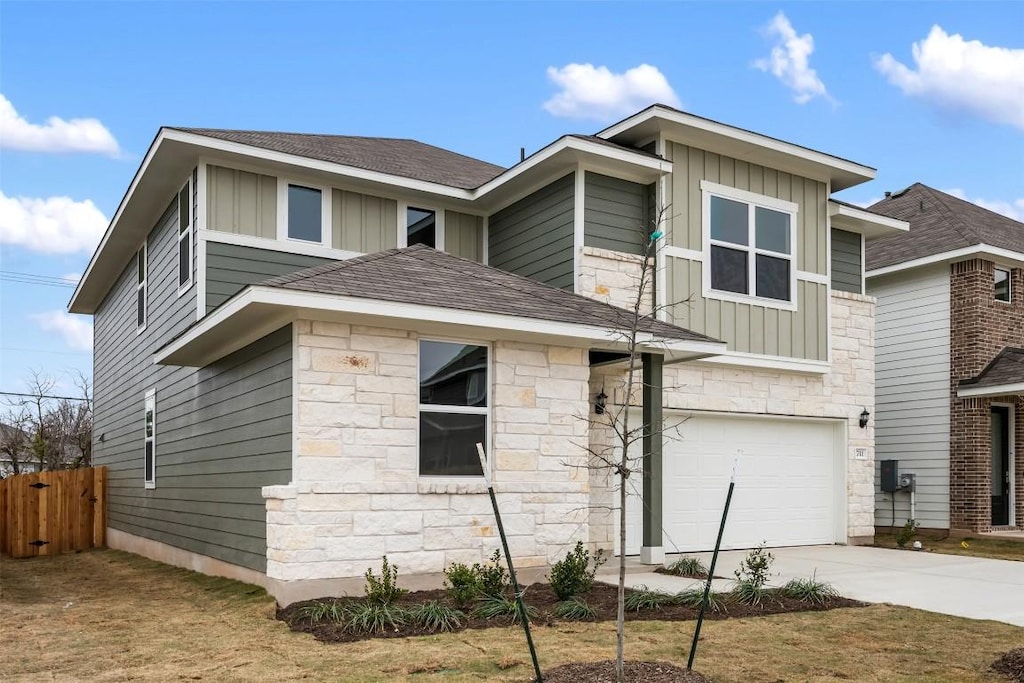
(48, 513)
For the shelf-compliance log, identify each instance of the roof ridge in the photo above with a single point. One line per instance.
(967, 232)
(298, 134)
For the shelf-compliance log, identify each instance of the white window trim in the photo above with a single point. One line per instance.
(463, 410)
(149, 404)
(282, 211)
(144, 286)
(1009, 285)
(710, 189)
(403, 223)
(187, 235)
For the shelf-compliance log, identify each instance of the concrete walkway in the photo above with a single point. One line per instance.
(948, 584)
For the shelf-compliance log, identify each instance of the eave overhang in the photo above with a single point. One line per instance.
(1006, 257)
(257, 311)
(867, 223)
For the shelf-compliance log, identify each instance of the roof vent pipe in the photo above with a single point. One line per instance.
(888, 195)
(522, 154)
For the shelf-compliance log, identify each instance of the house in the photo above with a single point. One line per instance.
(950, 375)
(299, 338)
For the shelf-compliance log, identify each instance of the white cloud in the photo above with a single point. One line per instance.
(790, 61)
(1013, 208)
(962, 75)
(75, 331)
(54, 225)
(595, 92)
(56, 135)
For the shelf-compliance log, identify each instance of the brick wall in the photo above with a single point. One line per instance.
(980, 327)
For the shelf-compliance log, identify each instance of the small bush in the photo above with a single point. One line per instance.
(755, 569)
(574, 609)
(493, 577)
(749, 592)
(385, 590)
(644, 598)
(688, 566)
(694, 596)
(810, 590)
(463, 583)
(500, 606)
(375, 617)
(906, 533)
(435, 616)
(574, 575)
(324, 610)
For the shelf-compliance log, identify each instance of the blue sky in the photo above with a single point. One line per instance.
(929, 92)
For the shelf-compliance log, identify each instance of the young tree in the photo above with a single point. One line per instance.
(53, 432)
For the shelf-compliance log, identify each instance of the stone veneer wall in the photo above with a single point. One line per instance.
(613, 277)
(842, 393)
(356, 493)
(980, 327)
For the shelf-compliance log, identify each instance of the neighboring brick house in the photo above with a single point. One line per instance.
(949, 375)
(326, 325)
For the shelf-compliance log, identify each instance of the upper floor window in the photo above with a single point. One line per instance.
(185, 237)
(303, 213)
(453, 407)
(421, 227)
(750, 246)
(141, 266)
(1002, 282)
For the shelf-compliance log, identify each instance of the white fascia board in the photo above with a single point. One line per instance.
(864, 222)
(1007, 256)
(760, 362)
(739, 134)
(996, 390)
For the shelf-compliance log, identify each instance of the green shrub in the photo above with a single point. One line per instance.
(574, 575)
(493, 577)
(644, 598)
(810, 590)
(906, 533)
(462, 583)
(755, 569)
(385, 590)
(694, 596)
(375, 617)
(435, 616)
(574, 609)
(749, 592)
(324, 610)
(500, 606)
(688, 566)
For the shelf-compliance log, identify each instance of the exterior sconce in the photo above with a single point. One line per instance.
(600, 402)
(864, 417)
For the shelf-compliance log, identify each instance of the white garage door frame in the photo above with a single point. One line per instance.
(840, 467)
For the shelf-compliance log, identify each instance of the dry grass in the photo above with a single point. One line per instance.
(984, 546)
(108, 616)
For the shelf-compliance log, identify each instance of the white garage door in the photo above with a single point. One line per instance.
(790, 489)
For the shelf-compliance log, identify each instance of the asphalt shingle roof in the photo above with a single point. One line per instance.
(939, 222)
(394, 156)
(421, 275)
(1005, 368)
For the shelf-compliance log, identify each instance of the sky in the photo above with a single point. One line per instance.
(924, 92)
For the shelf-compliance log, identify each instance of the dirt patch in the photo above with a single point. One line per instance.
(604, 672)
(1011, 665)
(602, 598)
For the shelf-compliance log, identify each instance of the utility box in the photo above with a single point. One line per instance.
(908, 481)
(890, 470)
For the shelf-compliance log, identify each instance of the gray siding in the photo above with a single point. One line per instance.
(912, 390)
(615, 214)
(222, 432)
(846, 261)
(230, 267)
(464, 235)
(241, 202)
(363, 223)
(534, 236)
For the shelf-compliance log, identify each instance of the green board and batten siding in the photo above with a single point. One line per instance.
(615, 214)
(464, 235)
(222, 432)
(363, 223)
(748, 328)
(241, 203)
(230, 267)
(534, 236)
(846, 261)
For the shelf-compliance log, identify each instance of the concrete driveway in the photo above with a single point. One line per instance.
(949, 584)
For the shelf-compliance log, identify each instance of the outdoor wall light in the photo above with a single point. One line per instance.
(600, 402)
(864, 417)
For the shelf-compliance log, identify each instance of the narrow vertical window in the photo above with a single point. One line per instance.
(185, 237)
(140, 289)
(421, 227)
(149, 448)
(305, 214)
(1002, 283)
(453, 408)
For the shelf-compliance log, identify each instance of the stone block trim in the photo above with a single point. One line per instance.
(356, 492)
(614, 277)
(980, 327)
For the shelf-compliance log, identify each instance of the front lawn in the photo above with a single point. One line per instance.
(991, 547)
(109, 616)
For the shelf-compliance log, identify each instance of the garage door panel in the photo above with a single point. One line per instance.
(785, 493)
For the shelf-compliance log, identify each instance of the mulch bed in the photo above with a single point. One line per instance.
(602, 597)
(604, 672)
(1011, 665)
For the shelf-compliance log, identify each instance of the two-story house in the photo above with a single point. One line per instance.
(950, 364)
(299, 339)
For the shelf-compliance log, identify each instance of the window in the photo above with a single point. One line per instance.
(149, 456)
(305, 213)
(185, 238)
(140, 288)
(1002, 282)
(750, 245)
(454, 382)
(421, 227)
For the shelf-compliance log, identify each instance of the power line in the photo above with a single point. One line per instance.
(66, 353)
(59, 398)
(34, 279)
